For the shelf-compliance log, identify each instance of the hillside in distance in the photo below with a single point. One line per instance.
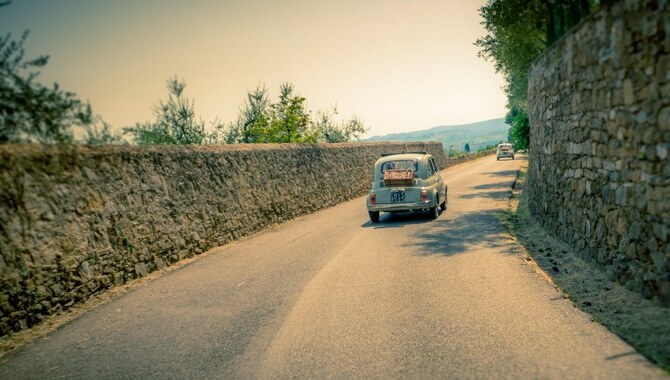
(454, 137)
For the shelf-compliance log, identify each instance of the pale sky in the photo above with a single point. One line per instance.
(399, 65)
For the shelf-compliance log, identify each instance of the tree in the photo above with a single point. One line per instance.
(325, 128)
(30, 111)
(175, 123)
(519, 132)
(518, 31)
(515, 38)
(253, 120)
(287, 121)
(562, 15)
(289, 118)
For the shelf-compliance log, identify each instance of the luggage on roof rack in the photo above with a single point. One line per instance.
(398, 177)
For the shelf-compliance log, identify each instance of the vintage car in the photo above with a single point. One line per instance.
(504, 150)
(406, 182)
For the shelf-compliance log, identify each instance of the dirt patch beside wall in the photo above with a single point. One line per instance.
(641, 322)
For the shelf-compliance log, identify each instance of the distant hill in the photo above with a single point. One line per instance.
(454, 137)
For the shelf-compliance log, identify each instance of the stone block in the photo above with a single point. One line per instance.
(611, 219)
(631, 251)
(628, 92)
(635, 230)
(622, 227)
(141, 269)
(664, 119)
(86, 271)
(662, 151)
(661, 232)
(664, 91)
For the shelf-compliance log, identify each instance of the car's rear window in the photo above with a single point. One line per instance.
(400, 164)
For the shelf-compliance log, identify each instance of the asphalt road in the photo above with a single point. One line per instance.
(331, 295)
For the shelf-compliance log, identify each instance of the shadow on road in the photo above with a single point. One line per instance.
(497, 185)
(503, 173)
(398, 220)
(503, 194)
(454, 236)
(617, 356)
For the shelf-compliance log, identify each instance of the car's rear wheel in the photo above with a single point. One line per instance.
(374, 216)
(434, 212)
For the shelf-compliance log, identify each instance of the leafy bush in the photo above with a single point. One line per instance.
(519, 132)
(289, 118)
(252, 121)
(325, 129)
(287, 121)
(102, 135)
(175, 122)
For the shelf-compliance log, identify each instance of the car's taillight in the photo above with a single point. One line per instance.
(424, 195)
(373, 198)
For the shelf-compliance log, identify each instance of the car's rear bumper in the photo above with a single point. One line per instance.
(390, 207)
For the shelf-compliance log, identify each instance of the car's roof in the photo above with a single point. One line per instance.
(403, 156)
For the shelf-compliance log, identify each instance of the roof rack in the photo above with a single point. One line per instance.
(403, 152)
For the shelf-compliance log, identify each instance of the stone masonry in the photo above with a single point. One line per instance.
(77, 220)
(599, 175)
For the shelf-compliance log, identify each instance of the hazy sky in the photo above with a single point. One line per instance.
(400, 65)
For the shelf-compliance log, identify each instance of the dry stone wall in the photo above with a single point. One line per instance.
(75, 220)
(599, 175)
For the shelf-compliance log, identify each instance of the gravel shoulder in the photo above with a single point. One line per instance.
(643, 323)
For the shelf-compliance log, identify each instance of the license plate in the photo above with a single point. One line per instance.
(397, 196)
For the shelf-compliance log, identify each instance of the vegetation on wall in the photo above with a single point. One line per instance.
(176, 122)
(287, 121)
(100, 133)
(32, 112)
(518, 31)
(259, 121)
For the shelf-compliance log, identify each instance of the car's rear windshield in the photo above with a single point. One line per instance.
(400, 164)
(504, 147)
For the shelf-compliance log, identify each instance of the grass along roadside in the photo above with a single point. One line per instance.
(644, 324)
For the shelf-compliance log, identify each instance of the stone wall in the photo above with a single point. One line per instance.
(75, 221)
(599, 175)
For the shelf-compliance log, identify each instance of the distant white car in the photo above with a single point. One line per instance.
(406, 182)
(504, 150)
